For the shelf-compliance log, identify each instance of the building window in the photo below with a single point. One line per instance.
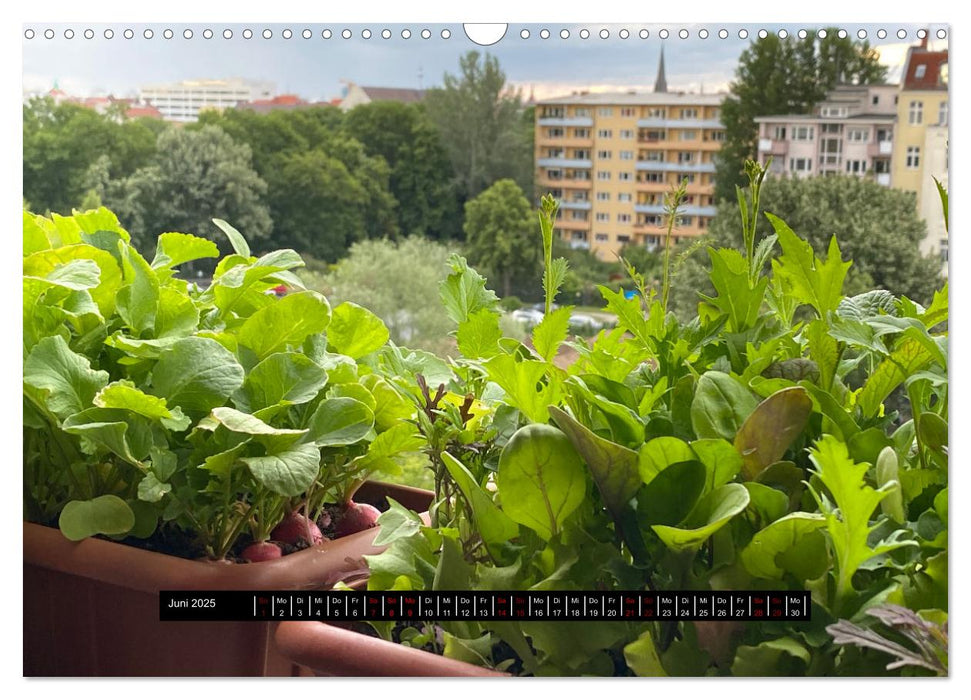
(625, 177)
(603, 196)
(653, 136)
(602, 217)
(606, 111)
(554, 133)
(801, 165)
(604, 134)
(581, 112)
(554, 174)
(875, 100)
(802, 133)
(627, 111)
(686, 220)
(916, 112)
(601, 237)
(913, 157)
(779, 133)
(689, 113)
(856, 167)
(831, 128)
(688, 135)
(920, 71)
(581, 174)
(623, 218)
(553, 112)
(603, 175)
(581, 153)
(858, 135)
(627, 155)
(656, 112)
(604, 155)
(622, 238)
(624, 196)
(942, 114)
(685, 157)
(627, 133)
(833, 112)
(578, 215)
(716, 135)
(653, 156)
(581, 133)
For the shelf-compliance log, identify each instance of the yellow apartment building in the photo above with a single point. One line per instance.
(921, 140)
(610, 158)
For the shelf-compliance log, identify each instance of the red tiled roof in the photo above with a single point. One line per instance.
(143, 111)
(932, 61)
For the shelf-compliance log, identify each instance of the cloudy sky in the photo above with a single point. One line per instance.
(315, 67)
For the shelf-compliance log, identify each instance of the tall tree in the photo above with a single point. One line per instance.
(478, 116)
(420, 178)
(785, 76)
(502, 235)
(195, 176)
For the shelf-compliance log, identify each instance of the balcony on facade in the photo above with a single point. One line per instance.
(581, 205)
(685, 210)
(663, 166)
(565, 121)
(564, 163)
(881, 148)
(772, 147)
(658, 122)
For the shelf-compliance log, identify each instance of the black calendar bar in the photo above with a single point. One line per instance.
(344, 606)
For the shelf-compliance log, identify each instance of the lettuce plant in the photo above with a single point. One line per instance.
(150, 402)
(788, 437)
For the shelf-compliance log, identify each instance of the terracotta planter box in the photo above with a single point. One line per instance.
(91, 607)
(328, 650)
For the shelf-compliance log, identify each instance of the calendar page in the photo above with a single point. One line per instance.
(535, 349)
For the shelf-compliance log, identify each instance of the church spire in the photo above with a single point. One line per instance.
(661, 84)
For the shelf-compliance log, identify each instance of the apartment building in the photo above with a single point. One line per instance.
(182, 101)
(920, 150)
(610, 158)
(850, 132)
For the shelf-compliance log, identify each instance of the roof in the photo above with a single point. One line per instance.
(143, 111)
(379, 94)
(934, 78)
(637, 98)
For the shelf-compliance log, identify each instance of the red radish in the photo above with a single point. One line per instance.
(261, 551)
(296, 528)
(356, 517)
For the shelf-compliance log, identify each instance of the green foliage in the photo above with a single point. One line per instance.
(791, 436)
(487, 136)
(68, 147)
(420, 172)
(398, 282)
(499, 229)
(878, 228)
(153, 404)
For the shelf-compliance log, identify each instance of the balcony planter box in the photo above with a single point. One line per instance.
(329, 650)
(91, 607)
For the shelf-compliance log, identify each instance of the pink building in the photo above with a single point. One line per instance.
(850, 132)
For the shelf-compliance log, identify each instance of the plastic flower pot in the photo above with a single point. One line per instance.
(91, 607)
(329, 650)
